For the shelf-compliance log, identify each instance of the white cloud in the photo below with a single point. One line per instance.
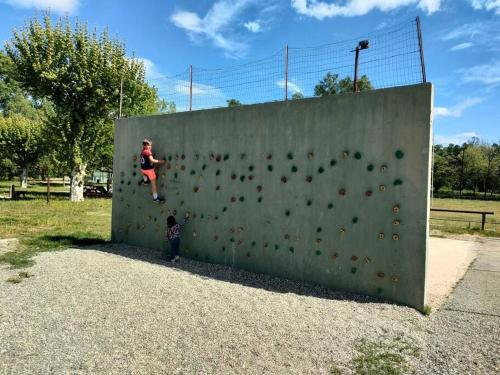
(351, 8)
(253, 26)
(456, 139)
(58, 6)
(182, 87)
(486, 73)
(461, 46)
(293, 87)
(468, 30)
(217, 24)
(457, 109)
(488, 5)
(152, 71)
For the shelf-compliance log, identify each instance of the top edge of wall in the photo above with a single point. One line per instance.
(427, 85)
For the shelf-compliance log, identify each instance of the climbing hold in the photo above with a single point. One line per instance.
(397, 182)
(353, 270)
(319, 229)
(368, 260)
(217, 187)
(289, 156)
(232, 230)
(369, 168)
(342, 230)
(194, 234)
(242, 156)
(169, 166)
(287, 212)
(382, 188)
(259, 188)
(291, 249)
(196, 156)
(333, 162)
(319, 240)
(233, 199)
(318, 252)
(217, 172)
(309, 202)
(354, 219)
(240, 242)
(216, 217)
(250, 177)
(250, 168)
(183, 156)
(335, 256)
(266, 244)
(354, 258)
(193, 172)
(259, 199)
(383, 168)
(233, 176)
(345, 154)
(253, 243)
(231, 239)
(309, 178)
(223, 248)
(169, 157)
(396, 209)
(195, 189)
(248, 253)
(203, 167)
(342, 192)
(226, 157)
(380, 290)
(357, 155)
(176, 157)
(218, 158)
(284, 179)
(294, 169)
(181, 203)
(242, 178)
(396, 222)
(270, 168)
(122, 182)
(395, 278)
(310, 155)
(368, 193)
(381, 236)
(174, 212)
(399, 154)
(134, 173)
(216, 237)
(395, 237)
(183, 167)
(242, 199)
(330, 206)
(224, 209)
(276, 247)
(287, 236)
(212, 156)
(321, 170)
(269, 156)
(380, 274)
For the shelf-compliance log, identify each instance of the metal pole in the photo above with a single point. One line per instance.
(355, 88)
(483, 221)
(48, 189)
(421, 47)
(121, 98)
(286, 72)
(190, 87)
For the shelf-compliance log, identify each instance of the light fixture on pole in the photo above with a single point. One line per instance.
(364, 44)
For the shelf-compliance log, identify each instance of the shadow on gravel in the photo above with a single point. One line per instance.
(236, 276)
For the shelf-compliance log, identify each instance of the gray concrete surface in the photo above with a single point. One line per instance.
(276, 221)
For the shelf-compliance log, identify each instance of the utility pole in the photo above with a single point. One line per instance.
(361, 45)
(286, 72)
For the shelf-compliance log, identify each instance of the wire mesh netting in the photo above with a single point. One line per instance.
(393, 58)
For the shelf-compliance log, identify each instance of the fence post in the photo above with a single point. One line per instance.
(421, 48)
(483, 221)
(286, 73)
(190, 87)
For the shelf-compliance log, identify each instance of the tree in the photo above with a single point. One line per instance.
(331, 85)
(297, 95)
(233, 103)
(21, 142)
(165, 106)
(81, 73)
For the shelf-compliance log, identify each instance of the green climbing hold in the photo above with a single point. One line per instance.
(270, 168)
(318, 252)
(309, 202)
(231, 239)
(204, 167)
(193, 172)
(218, 172)
(370, 167)
(398, 182)
(380, 290)
(226, 157)
(354, 219)
(242, 199)
(330, 206)
(291, 249)
(353, 270)
(176, 175)
(321, 170)
(276, 247)
(254, 243)
(224, 209)
(294, 169)
(259, 199)
(289, 156)
(250, 168)
(333, 162)
(242, 178)
(287, 212)
(399, 154)
(357, 155)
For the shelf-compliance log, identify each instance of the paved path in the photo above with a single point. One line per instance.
(464, 335)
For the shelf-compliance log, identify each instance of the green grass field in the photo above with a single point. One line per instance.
(41, 227)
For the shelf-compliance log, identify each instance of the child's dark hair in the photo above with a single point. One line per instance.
(146, 142)
(171, 221)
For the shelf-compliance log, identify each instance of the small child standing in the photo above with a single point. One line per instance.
(173, 235)
(148, 169)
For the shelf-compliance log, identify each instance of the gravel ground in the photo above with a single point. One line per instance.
(93, 311)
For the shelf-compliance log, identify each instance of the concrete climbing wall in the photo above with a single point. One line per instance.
(329, 190)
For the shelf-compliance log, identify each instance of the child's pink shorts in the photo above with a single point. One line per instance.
(150, 173)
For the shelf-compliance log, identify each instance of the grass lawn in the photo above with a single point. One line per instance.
(471, 223)
(41, 227)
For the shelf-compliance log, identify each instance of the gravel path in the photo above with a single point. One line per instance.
(93, 311)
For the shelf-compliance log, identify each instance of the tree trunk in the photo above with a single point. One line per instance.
(24, 178)
(76, 188)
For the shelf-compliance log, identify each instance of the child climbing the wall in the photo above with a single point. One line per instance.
(148, 169)
(173, 235)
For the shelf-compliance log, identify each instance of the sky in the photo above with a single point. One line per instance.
(461, 40)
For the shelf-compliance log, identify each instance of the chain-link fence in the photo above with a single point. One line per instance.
(392, 57)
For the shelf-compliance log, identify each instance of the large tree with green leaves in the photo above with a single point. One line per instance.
(331, 85)
(82, 74)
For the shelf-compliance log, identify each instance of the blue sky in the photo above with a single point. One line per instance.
(461, 40)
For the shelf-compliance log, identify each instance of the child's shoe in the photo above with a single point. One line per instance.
(158, 200)
(175, 259)
(144, 183)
